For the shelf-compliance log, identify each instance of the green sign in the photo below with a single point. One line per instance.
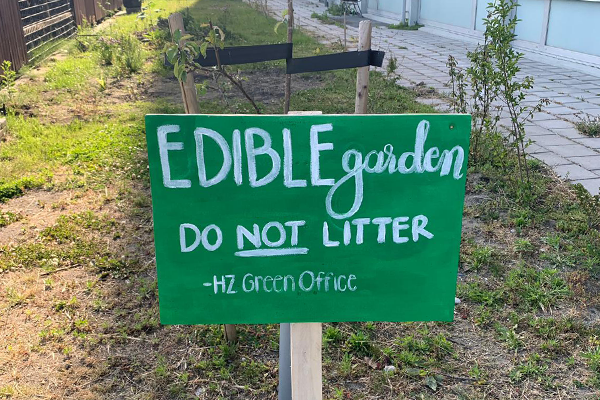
(265, 219)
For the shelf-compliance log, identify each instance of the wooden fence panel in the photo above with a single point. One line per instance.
(45, 21)
(12, 42)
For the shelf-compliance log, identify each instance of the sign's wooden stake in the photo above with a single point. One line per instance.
(190, 102)
(305, 349)
(362, 77)
(188, 88)
(307, 374)
(288, 77)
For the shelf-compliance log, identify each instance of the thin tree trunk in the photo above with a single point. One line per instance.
(288, 78)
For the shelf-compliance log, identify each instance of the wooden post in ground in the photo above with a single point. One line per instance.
(188, 88)
(362, 77)
(307, 374)
(190, 102)
(301, 371)
(288, 77)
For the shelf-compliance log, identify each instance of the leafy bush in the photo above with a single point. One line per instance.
(336, 9)
(106, 46)
(130, 58)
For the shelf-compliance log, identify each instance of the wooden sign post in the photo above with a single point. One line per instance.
(305, 345)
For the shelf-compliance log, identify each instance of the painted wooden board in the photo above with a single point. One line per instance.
(264, 219)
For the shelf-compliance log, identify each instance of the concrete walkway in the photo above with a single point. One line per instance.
(422, 57)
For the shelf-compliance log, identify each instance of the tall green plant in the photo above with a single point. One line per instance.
(500, 26)
(484, 83)
(7, 79)
(492, 77)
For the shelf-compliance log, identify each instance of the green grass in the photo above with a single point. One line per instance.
(338, 94)
(72, 73)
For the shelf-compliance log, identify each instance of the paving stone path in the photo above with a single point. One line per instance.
(422, 57)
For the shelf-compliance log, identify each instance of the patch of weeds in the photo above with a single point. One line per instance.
(144, 321)
(404, 26)
(532, 288)
(7, 218)
(427, 350)
(253, 372)
(475, 292)
(392, 67)
(523, 246)
(332, 335)
(96, 152)
(589, 126)
(324, 18)
(161, 371)
(477, 373)
(358, 343)
(70, 227)
(533, 368)
(592, 358)
(590, 204)
(481, 256)
(49, 335)
(336, 9)
(346, 365)
(130, 57)
(483, 316)
(63, 305)
(551, 328)
(510, 338)
(14, 297)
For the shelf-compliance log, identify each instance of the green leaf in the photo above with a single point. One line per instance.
(203, 48)
(212, 37)
(171, 53)
(221, 33)
(187, 37)
(176, 70)
(284, 13)
(277, 25)
(431, 383)
(177, 36)
(194, 49)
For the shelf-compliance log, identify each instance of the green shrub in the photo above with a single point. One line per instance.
(106, 47)
(336, 9)
(130, 57)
